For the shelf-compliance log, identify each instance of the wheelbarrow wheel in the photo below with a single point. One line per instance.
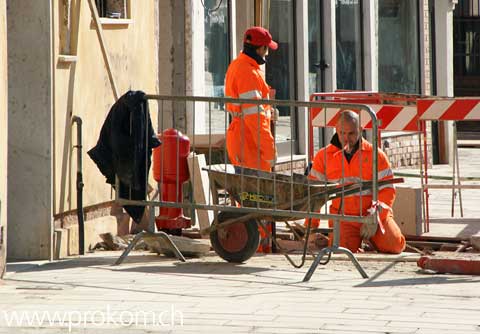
(236, 242)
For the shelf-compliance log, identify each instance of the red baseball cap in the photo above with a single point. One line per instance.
(259, 36)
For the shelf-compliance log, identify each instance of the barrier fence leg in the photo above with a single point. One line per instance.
(130, 247)
(151, 232)
(316, 262)
(459, 182)
(423, 181)
(334, 249)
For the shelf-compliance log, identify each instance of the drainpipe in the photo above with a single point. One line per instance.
(79, 182)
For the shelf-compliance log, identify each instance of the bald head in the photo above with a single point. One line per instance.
(348, 116)
(348, 129)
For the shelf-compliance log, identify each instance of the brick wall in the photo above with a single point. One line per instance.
(404, 150)
(297, 164)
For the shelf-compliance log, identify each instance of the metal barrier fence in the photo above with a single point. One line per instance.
(242, 196)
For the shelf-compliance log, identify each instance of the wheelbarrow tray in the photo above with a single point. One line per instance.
(267, 190)
(235, 236)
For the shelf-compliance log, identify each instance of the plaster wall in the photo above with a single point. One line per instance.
(171, 38)
(244, 18)
(82, 88)
(3, 135)
(30, 130)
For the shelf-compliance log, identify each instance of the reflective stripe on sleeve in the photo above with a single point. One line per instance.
(384, 173)
(385, 186)
(351, 179)
(252, 110)
(251, 94)
(316, 174)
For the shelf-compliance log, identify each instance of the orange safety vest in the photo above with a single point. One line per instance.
(327, 166)
(249, 140)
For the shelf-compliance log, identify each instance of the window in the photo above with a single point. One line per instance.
(113, 9)
(315, 55)
(217, 59)
(348, 18)
(316, 62)
(216, 46)
(280, 68)
(398, 46)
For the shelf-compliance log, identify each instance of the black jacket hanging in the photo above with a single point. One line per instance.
(124, 148)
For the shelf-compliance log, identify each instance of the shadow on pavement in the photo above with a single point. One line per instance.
(200, 268)
(87, 261)
(417, 280)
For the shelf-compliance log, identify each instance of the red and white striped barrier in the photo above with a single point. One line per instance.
(396, 112)
(392, 117)
(449, 109)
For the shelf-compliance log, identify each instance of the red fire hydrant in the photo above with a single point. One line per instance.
(171, 170)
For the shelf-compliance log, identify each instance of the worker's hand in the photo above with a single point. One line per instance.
(368, 230)
(275, 114)
(274, 161)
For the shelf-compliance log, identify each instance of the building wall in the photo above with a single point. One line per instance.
(30, 129)
(3, 135)
(403, 149)
(55, 53)
(82, 88)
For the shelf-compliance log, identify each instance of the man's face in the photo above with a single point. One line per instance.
(262, 51)
(348, 134)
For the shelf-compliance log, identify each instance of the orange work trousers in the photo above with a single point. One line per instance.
(392, 241)
(265, 240)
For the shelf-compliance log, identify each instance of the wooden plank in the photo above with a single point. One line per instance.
(446, 186)
(187, 246)
(201, 189)
(101, 39)
(434, 238)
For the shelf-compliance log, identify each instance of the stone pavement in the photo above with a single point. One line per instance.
(150, 293)
(442, 224)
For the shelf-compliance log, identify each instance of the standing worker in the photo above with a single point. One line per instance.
(250, 142)
(340, 162)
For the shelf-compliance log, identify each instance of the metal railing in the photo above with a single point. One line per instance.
(281, 205)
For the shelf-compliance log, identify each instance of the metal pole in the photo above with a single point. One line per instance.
(454, 163)
(79, 185)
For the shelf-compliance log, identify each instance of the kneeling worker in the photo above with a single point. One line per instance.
(347, 148)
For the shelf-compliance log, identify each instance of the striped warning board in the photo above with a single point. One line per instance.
(392, 117)
(449, 109)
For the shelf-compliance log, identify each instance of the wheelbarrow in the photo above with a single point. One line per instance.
(234, 234)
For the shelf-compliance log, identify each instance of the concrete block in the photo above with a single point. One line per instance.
(407, 210)
(93, 229)
(475, 241)
(97, 226)
(73, 248)
(60, 244)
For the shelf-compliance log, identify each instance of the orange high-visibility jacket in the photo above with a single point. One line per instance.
(327, 166)
(249, 139)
